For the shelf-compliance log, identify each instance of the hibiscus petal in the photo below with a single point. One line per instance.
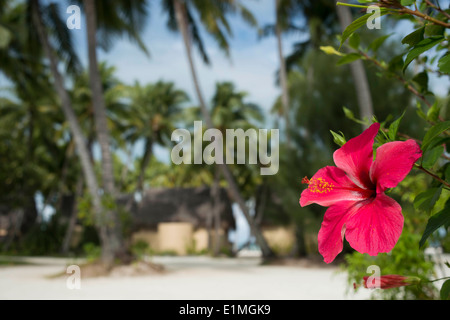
(331, 235)
(375, 226)
(394, 160)
(330, 185)
(355, 156)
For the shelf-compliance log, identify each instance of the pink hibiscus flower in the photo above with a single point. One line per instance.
(354, 192)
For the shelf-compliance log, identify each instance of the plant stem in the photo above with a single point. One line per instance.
(424, 17)
(399, 78)
(444, 278)
(351, 5)
(365, 7)
(433, 175)
(432, 5)
(403, 10)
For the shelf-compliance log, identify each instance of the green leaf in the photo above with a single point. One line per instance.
(349, 58)
(433, 112)
(423, 6)
(433, 133)
(421, 79)
(447, 173)
(338, 138)
(420, 112)
(431, 156)
(444, 64)
(426, 200)
(358, 23)
(393, 128)
(5, 37)
(378, 42)
(445, 290)
(435, 222)
(414, 37)
(421, 47)
(407, 2)
(396, 63)
(354, 41)
(434, 30)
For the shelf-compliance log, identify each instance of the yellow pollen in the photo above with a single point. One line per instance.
(319, 185)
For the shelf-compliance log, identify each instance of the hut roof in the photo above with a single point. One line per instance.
(192, 205)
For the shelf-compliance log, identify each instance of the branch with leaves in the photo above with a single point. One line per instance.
(426, 44)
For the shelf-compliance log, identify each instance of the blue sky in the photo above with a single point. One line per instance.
(251, 67)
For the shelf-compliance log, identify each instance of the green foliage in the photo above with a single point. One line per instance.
(429, 205)
(433, 136)
(421, 47)
(445, 290)
(407, 2)
(393, 127)
(426, 200)
(358, 23)
(404, 259)
(92, 252)
(43, 239)
(442, 218)
(140, 249)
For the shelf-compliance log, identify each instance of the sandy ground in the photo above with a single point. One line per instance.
(190, 278)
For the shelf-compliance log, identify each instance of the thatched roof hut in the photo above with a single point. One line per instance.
(192, 205)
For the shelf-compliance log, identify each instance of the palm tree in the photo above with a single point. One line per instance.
(114, 92)
(212, 15)
(282, 9)
(231, 111)
(154, 108)
(101, 220)
(125, 17)
(31, 151)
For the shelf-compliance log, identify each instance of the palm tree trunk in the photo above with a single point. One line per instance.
(215, 195)
(148, 150)
(114, 230)
(98, 100)
(181, 17)
(73, 218)
(283, 75)
(66, 105)
(358, 72)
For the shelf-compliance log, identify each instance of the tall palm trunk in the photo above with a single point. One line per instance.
(358, 72)
(73, 218)
(215, 199)
(114, 229)
(82, 150)
(148, 150)
(283, 74)
(98, 100)
(181, 17)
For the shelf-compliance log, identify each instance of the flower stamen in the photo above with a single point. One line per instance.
(318, 185)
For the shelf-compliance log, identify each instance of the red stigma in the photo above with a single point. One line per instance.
(305, 180)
